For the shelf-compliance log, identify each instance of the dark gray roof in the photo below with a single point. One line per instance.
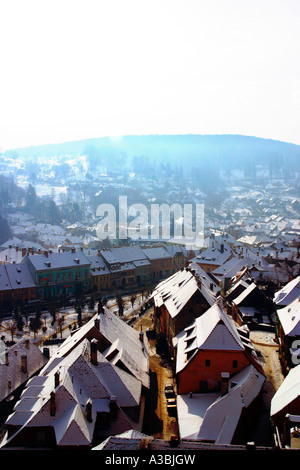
(58, 260)
(159, 252)
(126, 254)
(4, 280)
(19, 276)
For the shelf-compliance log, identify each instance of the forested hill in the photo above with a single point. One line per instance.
(230, 151)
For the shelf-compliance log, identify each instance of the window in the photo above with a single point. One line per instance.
(207, 362)
(234, 364)
(40, 438)
(203, 386)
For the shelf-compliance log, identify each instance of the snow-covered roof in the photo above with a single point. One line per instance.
(132, 353)
(288, 391)
(231, 267)
(159, 252)
(178, 289)
(288, 293)
(19, 276)
(11, 255)
(289, 318)
(213, 330)
(12, 375)
(214, 418)
(129, 440)
(4, 279)
(126, 254)
(250, 288)
(98, 265)
(215, 255)
(80, 381)
(58, 260)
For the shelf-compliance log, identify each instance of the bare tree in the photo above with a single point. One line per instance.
(60, 322)
(132, 299)
(12, 327)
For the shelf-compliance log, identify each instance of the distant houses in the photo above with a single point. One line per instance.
(215, 256)
(59, 274)
(46, 275)
(17, 286)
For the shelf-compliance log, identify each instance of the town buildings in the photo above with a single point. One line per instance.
(285, 410)
(17, 364)
(180, 299)
(46, 275)
(94, 386)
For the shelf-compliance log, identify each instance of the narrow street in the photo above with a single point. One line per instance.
(164, 426)
(160, 423)
(266, 346)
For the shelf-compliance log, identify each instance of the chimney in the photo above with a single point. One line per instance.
(17, 249)
(100, 307)
(27, 343)
(23, 252)
(113, 406)
(94, 350)
(46, 253)
(224, 383)
(52, 404)
(88, 409)
(141, 335)
(222, 248)
(56, 379)
(6, 359)
(46, 352)
(73, 250)
(97, 323)
(24, 363)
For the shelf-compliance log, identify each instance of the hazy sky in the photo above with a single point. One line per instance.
(75, 69)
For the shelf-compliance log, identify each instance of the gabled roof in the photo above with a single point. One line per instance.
(58, 260)
(288, 391)
(214, 418)
(12, 373)
(289, 318)
(11, 255)
(213, 330)
(19, 276)
(129, 440)
(179, 288)
(215, 256)
(159, 252)
(288, 293)
(231, 267)
(98, 265)
(80, 381)
(133, 354)
(5, 284)
(126, 254)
